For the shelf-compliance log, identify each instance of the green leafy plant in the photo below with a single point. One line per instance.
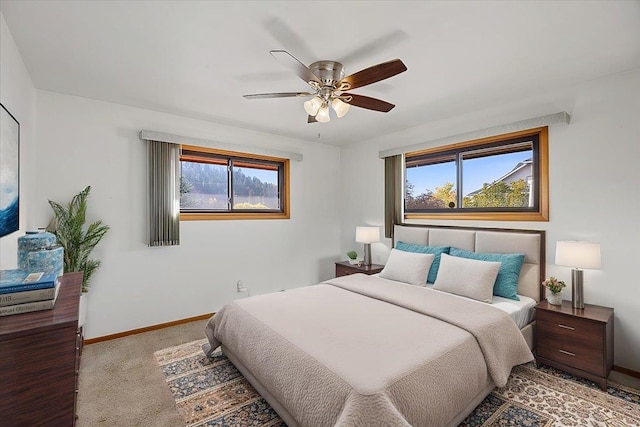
(554, 285)
(352, 254)
(68, 225)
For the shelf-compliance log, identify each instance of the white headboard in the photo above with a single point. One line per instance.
(531, 243)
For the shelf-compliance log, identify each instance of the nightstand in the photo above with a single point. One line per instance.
(343, 268)
(576, 341)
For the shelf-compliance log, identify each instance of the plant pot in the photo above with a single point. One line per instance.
(353, 261)
(554, 299)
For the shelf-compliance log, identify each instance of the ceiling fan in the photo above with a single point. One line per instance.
(330, 86)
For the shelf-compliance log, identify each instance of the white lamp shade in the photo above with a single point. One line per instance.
(313, 105)
(578, 254)
(323, 114)
(367, 234)
(340, 107)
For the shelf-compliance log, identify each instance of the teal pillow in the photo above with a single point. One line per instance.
(507, 281)
(436, 250)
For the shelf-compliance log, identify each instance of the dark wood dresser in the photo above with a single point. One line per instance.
(579, 341)
(39, 361)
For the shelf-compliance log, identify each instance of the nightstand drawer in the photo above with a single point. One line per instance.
(579, 354)
(573, 341)
(569, 327)
(341, 270)
(344, 269)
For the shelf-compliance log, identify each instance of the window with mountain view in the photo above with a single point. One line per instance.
(218, 184)
(502, 177)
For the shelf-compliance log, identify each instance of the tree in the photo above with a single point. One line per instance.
(424, 200)
(408, 191)
(429, 200)
(446, 193)
(500, 194)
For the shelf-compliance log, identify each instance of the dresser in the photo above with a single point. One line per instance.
(578, 341)
(343, 268)
(39, 361)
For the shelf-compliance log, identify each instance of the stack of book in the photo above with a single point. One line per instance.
(23, 292)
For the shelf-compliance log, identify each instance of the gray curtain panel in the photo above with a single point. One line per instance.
(393, 193)
(164, 193)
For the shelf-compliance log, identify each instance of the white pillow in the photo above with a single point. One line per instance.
(408, 267)
(467, 277)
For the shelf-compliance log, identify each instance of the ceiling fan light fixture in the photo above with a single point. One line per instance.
(340, 107)
(313, 105)
(323, 114)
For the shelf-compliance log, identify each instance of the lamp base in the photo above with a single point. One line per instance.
(577, 292)
(367, 254)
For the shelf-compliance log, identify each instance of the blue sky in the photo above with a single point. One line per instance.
(475, 172)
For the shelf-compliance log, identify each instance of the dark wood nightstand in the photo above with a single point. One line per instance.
(343, 268)
(577, 341)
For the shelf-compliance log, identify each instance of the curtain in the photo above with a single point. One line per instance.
(164, 193)
(393, 193)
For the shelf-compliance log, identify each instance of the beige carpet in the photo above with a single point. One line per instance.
(120, 383)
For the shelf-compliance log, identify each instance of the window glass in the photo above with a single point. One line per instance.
(498, 179)
(503, 177)
(431, 184)
(255, 186)
(217, 184)
(204, 186)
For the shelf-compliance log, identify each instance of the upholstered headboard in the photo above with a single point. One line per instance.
(531, 243)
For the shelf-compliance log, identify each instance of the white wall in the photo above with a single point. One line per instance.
(594, 189)
(18, 96)
(85, 142)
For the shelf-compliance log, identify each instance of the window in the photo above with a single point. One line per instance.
(216, 184)
(503, 177)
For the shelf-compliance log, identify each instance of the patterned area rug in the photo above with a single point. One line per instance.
(211, 392)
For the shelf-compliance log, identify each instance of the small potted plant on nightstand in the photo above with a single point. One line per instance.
(353, 257)
(555, 286)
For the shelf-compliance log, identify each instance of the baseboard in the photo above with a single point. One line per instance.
(626, 371)
(146, 329)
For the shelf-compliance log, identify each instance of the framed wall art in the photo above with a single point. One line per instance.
(9, 172)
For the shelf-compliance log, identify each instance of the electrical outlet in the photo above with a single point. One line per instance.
(240, 287)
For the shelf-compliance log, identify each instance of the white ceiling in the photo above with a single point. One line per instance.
(198, 58)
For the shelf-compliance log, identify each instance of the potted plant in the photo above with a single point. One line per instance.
(555, 286)
(353, 257)
(78, 241)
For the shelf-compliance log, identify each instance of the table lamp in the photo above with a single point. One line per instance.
(367, 235)
(578, 255)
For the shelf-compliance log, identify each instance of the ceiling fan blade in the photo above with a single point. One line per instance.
(286, 36)
(372, 74)
(373, 47)
(367, 102)
(296, 66)
(278, 95)
(312, 119)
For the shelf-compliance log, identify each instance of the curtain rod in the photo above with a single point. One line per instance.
(562, 117)
(179, 139)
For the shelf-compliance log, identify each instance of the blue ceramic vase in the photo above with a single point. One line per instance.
(38, 252)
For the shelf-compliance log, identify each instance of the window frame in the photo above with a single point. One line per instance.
(541, 170)
(240, 214)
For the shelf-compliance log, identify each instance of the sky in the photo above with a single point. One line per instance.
(475, 172)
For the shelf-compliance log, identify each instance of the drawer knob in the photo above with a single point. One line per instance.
(567, 352)
(567, 327)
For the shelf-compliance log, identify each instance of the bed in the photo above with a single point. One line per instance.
(371, 351)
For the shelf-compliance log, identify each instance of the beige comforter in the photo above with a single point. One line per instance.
(364, 351)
